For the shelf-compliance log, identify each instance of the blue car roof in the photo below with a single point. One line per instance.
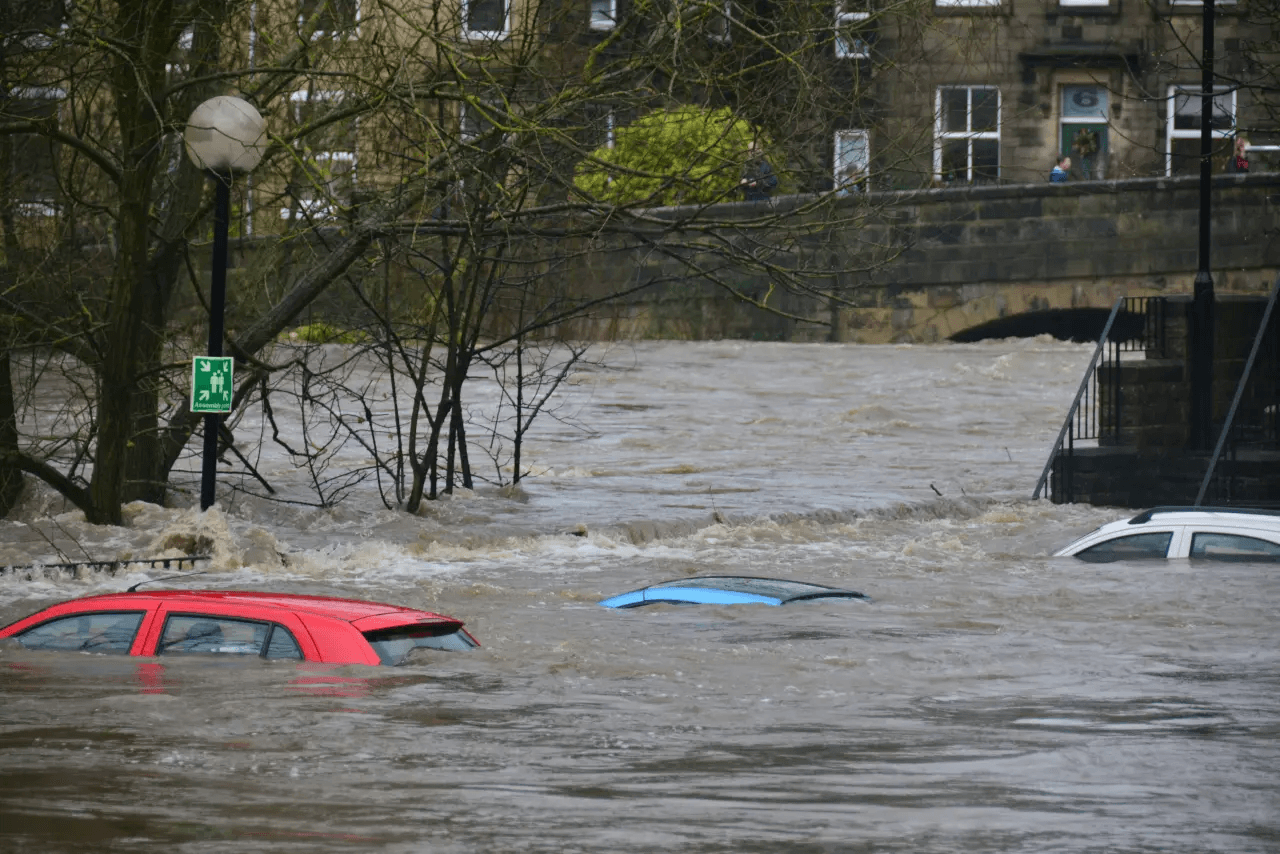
(728, 590)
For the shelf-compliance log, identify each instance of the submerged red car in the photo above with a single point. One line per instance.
(217, 622)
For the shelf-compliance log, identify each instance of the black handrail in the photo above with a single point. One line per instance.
(111, 566)
(1235, 402)
(1080, 393)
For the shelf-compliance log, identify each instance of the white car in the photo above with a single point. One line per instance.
(1200, 533)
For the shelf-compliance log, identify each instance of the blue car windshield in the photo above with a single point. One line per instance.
(774, 588)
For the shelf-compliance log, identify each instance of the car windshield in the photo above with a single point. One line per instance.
(393, 645)
(776, 588)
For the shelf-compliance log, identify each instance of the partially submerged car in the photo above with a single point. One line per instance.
(1198, 533)
(728, 590)
(217, 622)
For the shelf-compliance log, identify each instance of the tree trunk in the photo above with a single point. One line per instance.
(125, 463)
(11, 480)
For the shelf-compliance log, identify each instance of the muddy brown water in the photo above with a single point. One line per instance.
(990, 698)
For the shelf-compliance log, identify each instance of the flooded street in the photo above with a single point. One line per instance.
(989, 698)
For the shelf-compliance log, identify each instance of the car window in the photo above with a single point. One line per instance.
(1209, 546)
(187, 634)
(392, 645)
(109, 632)
(282, 644)
(1132, 547)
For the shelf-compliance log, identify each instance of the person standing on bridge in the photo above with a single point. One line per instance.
(1239, 159)
(1058, 175)
(758, 179)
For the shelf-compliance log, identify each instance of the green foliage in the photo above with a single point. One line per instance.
(685, 155)
(324, 333)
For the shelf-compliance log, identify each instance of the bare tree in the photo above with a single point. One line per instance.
(420, 189)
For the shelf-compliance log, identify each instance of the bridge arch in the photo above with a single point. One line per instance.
(1082, 325)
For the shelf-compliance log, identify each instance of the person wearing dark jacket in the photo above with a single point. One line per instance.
(758, 179)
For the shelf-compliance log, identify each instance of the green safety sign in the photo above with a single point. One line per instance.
(211, 384)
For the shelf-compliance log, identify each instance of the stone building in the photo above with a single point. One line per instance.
(927, 92)
(1009, 84)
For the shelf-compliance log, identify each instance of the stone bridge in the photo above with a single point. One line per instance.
(975, 262)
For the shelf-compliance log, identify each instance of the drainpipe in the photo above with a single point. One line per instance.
(1202, 302)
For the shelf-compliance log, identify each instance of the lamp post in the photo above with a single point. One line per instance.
(1202, 294)
(225, 136)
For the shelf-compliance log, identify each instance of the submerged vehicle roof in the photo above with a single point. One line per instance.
(729, 590)
(350, 610)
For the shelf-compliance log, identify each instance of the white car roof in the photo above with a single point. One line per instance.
(1165, 518)
(1252, 516)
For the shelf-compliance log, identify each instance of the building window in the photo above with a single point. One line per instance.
(36, 23)
(328, 18)
(851, 42)
(1182, 141)
(604, 14)
(604, 128)
(472, 123)
(1088, 4)
(851, 160)
(33, 157)
(1083, 133)
(967, 4)
(323, 181)
(180, 65)
(599, 128)
(719, 27)
(485, 19)
(967, 147)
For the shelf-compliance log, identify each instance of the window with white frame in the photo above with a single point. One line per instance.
(1086, 3)
(851, 42)
(328, 18)
(36, 23)
(719, 26)
(965, 4)
(472, 122)
(1199, 3)
(179, 64)
(1184, 114)
(851, 160)
(602, 127)
(967, 135)
(604, 14)
(485, 19)
(323, 182)
(33, 157)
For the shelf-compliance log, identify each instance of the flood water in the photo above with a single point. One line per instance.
(989, 699)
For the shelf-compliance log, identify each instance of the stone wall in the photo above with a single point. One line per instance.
(944, 260)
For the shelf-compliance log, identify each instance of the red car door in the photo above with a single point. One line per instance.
(226, 614)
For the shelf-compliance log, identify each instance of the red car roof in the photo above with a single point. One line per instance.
(350, 610)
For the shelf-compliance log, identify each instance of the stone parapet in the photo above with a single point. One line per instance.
(920, 266)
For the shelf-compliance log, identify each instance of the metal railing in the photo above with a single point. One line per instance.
(1083, 419)
(1134, 324)
(1097, 411)
(1262, 429)
(107, 567)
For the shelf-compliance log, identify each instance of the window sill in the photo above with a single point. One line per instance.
(1002, 9)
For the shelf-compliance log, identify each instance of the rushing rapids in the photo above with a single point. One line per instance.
(989, 698)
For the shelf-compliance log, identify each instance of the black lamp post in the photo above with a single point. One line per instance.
(1202, 299)
(225, 136)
